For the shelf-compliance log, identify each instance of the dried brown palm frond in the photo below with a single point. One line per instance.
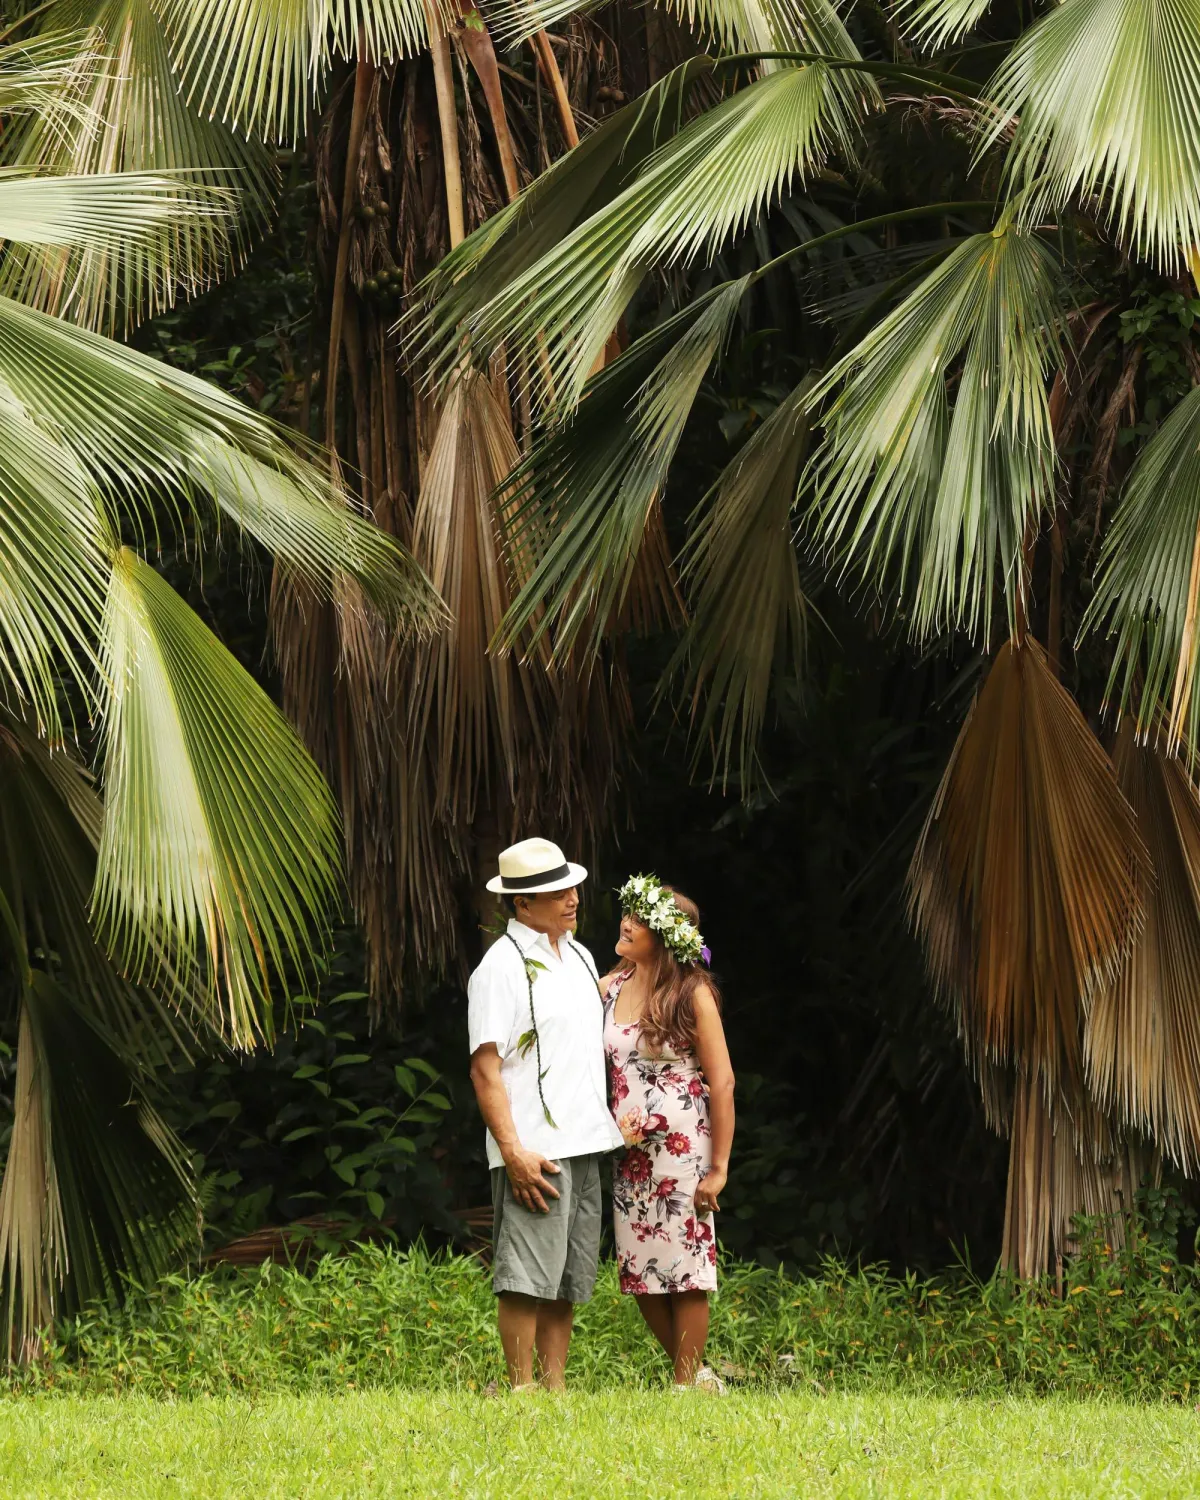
(1064, 1160)
(1142, 1038)
(1024, 886)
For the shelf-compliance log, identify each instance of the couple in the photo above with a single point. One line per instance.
(542, 1027)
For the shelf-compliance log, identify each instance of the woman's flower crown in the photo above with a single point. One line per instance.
(643, 897)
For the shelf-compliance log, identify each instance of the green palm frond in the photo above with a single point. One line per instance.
(733, 25)
(258, 64)
(577, 186)
(218, 828)
(1146, 589)
(38, 76)
(714, 178)
(94, 1184)
(938, 494)
(1107, 96)
(584, 497)
(141, 429)
(936, 23)
(110, 213)
(134, 119)
(51, 821)
(52, 543)
(749, 615)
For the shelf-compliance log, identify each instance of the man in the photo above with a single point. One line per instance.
(536, 1023)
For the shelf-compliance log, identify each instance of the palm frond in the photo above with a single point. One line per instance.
(1142, 1041)
(110, 213)
(733, 25)
(141, 429)
(132, 118)
(749, 615)
(934, 24)
(584, 497)
(1024, 885)
(220, 838)
(52, 548)
(1149, 575)
(257, 65)
(1106, 94)
(564, 196)
(930, 501)
(38, 76)
(95, 1184)
(718, 174)
(50, 826)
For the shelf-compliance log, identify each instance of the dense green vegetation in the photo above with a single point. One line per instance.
(1125, 1323)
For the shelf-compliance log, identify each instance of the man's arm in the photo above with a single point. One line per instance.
(524, 1168)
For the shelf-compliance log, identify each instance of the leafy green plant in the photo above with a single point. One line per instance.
(336, 1121)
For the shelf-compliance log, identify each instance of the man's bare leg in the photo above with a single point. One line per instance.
(519, 1330)
(554, 1321)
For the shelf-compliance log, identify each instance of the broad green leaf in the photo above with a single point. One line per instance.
(929, 499)
(219, 833)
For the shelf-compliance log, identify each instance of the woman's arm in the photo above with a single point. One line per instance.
(713, 1056)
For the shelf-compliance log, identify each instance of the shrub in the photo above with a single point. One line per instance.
(1126, 1324)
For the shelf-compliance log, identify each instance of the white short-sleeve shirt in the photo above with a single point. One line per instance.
(570, 1025)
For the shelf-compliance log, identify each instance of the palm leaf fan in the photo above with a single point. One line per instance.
(928, 499)
(1024, 884)
(1142, 1039)
(749, 614)
(700, 187)
(1106, 98)
(131, 118)
(1148, 588)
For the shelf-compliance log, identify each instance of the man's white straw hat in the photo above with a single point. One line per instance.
(535, 865)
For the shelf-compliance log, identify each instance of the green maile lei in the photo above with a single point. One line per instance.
(530, 1040)
(643, 897)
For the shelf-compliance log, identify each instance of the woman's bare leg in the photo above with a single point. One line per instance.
(656, 1309)
(689, 1315)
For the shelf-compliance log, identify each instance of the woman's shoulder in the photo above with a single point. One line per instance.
(613, 980)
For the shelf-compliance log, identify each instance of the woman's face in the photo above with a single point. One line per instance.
(637, 944)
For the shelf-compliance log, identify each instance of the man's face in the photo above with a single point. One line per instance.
(551, 912)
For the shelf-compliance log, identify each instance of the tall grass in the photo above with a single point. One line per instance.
(1127, 1324)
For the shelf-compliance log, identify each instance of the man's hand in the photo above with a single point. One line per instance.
(525, 1169)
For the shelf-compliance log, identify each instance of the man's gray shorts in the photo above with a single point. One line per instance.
(550, 1256)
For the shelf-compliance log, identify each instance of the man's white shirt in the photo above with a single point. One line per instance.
(570, 1025)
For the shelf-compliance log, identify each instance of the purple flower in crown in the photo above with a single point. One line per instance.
(706, 955)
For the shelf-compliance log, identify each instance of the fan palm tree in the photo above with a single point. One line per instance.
(167, 845)
(935, 459)
(438, 754)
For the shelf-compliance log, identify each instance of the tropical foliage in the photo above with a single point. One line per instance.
(974, 408)
(169, 847)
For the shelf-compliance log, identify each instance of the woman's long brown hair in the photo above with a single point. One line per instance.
(668, 1018)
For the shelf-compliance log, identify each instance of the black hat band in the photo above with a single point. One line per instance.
(523, 882)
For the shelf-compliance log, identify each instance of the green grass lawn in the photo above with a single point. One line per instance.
(626, 1445)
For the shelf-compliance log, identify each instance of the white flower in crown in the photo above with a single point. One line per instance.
(644, 897)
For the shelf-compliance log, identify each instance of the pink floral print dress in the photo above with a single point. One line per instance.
(660, 1104)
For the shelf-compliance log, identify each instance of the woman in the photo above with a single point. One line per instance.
(671, 1088)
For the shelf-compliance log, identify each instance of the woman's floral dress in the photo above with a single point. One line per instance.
(660, 1104)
